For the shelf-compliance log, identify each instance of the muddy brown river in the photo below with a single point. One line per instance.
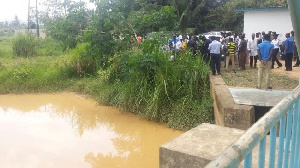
(71, 131)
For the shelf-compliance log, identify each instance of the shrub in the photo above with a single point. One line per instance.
(145, 82)
(79, 63)
(50, 47)
(25, 45)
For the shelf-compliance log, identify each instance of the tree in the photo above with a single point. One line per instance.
(15, 23)
(67, 21)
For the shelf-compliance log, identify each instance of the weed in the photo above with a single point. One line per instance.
(25, 45)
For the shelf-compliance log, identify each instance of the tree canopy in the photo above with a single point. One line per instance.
(141, 17)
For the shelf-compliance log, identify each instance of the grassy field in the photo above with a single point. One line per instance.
(248, 78)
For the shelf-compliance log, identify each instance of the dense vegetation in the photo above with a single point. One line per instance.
(94, 51)
(140, 79)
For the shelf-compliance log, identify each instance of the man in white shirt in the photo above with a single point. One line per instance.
(277, 44)
(252, 49)
(215, 55)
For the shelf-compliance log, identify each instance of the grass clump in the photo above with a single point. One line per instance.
(25, 45)
(146, 83)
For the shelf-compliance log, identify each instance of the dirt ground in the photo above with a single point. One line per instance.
(295, 74)
(283, 80)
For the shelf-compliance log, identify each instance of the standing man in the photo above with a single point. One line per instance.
(295, 52)
(172, 44)
(252, 47)
(277, 44)
(215, 55)
(288, 50)
(242, 52)
(231, 54)
(206, 52)
(265, 50)
(192, 45)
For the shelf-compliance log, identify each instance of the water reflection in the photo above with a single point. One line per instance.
(66, 130)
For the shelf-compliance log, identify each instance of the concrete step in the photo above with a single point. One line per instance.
(197, 147)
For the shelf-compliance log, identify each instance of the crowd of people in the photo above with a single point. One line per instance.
(261, 51)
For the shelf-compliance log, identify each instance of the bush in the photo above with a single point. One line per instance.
(79, 63)
(49, 47)
(25, 45)
(145, 82)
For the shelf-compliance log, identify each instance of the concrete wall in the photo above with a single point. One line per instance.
(258, 21)
(197, 147)
(226, 111)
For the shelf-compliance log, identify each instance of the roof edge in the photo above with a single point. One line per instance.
(279, 8)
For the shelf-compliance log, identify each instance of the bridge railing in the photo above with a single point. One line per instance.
(286, 118)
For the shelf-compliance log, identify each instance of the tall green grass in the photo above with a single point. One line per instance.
(5, 46)
(38, 74)
(30, 74)
(146, 83)
(25, 45)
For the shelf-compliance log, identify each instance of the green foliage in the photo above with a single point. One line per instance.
(50, 47)
(79, 63)
(154, 20)
(5, 47)
(31, 75)
(6, 31)
(141, 80)
(147, 83)
(20, 73)
(24, 45)
(70, 29)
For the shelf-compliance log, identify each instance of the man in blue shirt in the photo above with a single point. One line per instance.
(288, 50)
(265, 51)
(215, 55)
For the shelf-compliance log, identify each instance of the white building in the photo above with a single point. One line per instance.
(275, 19)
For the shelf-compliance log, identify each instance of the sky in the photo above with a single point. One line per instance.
(11, 8)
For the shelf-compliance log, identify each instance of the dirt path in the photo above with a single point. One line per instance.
(295, 74)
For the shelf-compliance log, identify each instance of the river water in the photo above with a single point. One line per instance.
(70, 131)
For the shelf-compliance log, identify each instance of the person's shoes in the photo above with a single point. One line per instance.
(269, 87)
(213, 73)
(288, 70)
(219, 73)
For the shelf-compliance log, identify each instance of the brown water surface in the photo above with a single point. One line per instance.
(70, 131)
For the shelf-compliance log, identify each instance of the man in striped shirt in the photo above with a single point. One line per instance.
(231, 54)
